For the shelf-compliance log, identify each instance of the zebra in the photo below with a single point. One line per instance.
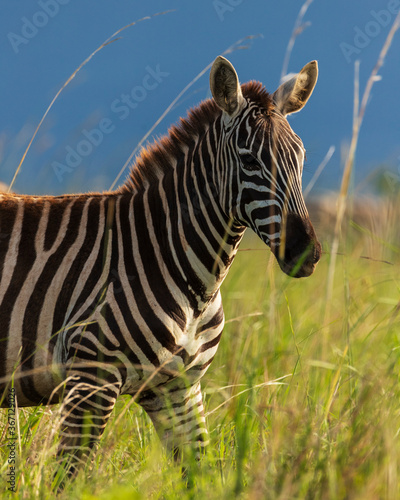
(103, 294)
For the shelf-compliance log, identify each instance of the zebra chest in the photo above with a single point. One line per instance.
(146, 350)
(188, 358)
(197, 346)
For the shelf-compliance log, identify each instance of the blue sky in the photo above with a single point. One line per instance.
(43, 41)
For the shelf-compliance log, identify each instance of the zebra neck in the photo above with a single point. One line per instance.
(177, 181)
(208, 238)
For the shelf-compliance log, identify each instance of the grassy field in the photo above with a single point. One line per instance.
(303, 397)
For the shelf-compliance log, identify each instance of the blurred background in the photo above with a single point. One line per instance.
(103, 113)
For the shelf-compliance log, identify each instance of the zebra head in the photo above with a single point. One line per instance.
(262, 159)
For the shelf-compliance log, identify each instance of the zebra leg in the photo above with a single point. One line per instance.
(87, 406)
(178, 417)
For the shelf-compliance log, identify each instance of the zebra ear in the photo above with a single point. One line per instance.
(292, 95)
(224, 84)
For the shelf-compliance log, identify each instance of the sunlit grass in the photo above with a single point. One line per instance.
(298, 406)
(302, 399)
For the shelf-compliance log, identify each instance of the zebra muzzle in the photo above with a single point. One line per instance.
(300, 249)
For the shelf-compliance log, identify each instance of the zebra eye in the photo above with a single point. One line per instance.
(249, 162)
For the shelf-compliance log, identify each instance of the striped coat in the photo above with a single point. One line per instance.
(114, 293)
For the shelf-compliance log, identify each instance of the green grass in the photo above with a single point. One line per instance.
(303, 397)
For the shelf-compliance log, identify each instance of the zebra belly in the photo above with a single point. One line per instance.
(94, 342)
(29, 363)
(42, 379)
(29, 366)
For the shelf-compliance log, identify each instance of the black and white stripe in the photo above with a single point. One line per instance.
(118, 293)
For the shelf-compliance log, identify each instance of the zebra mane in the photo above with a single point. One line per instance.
(256, 92)
(156, 158)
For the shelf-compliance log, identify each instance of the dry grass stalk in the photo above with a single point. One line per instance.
(109, 40)
(298, 28)
(319, 170)
(357, 122)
